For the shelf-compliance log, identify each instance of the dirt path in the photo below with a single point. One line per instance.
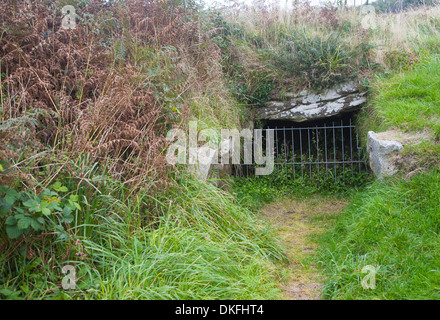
(297, 222)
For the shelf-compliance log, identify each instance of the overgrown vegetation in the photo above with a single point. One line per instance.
(85, 182)
(83, 175)
(282, 183)
(393, 224)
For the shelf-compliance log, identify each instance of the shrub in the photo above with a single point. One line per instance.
(318, 61)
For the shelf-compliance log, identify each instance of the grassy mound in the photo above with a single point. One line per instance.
(410, 100)
(392, 225)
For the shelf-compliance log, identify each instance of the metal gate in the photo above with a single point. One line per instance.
(332, 148)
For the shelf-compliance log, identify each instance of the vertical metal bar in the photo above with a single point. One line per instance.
(325, 148)
(342, 142)
(334, 149)
(351, 149)
(276, 140)
(317, 146)
(285, 149)
(359, 149)
(293, 155)
(301, 153)
(310, 150)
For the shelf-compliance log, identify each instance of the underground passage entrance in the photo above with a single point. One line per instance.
(327, 148)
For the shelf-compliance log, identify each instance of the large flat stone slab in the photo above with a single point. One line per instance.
(307, 105)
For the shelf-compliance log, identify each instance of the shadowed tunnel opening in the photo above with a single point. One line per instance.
(313, 149)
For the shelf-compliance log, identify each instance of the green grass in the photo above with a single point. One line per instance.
(410, 101)
(255, 192)
(203, 246)
(394, 225)
(193, 242)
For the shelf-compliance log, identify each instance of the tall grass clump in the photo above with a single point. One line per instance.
(193, 241)
(202, 245)
(394, 226)
(311, 47)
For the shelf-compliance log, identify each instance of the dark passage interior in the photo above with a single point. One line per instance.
(314, 148)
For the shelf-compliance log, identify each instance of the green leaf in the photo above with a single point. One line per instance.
(68, 219)
(13, 232)
(33, 205)
(12, 192)
(44, 204)
(11, 221)
(10, 199)
(29, 203)
(45, 211)
(67, 211)
(56, 185)
(24, 223)
(5, 207)
(36, 225)
(3, 189)
(4, 166)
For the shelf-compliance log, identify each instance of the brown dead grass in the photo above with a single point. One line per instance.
(297, 221)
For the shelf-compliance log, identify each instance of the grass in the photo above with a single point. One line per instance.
(205, 246)
(202, 245)
(410, 101)
(394, 225)
(188, 239)
(256, 192)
